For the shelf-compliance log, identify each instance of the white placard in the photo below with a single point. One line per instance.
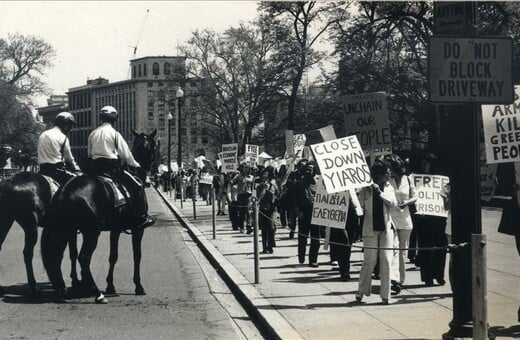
(330, 210)
(502, 131)
(429, 199)
(342, 164)
(251, 155)
(229, 157)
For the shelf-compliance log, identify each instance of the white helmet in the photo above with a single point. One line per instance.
(108, 112)
(63, 118)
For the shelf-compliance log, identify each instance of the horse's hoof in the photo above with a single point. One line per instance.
(110, 290)
(140, 291)
(101, 299)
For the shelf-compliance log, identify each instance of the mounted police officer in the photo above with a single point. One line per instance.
(108, 152)
(54, 155)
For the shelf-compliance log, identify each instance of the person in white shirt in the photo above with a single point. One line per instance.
(108, 152)
(54, 155)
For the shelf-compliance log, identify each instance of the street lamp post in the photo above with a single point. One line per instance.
(178, 95)
(170, 117)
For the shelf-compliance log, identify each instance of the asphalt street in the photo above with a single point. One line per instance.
(185, 296)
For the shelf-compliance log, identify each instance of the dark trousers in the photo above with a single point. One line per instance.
(243, 210)
(233, 214)
(304, 229)
(413, 241)
(112, 169)
(57, 172)
(340, 250)
(292, 214)
(267, 227)
(431, 232)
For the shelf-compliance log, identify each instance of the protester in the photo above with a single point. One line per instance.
(292, 179)
(220, 186)
(405, 194)
(232, 201)
(267, 193)
(283, 202)
(431, 232)
(378, 230)
(244, 183)
(304, 190)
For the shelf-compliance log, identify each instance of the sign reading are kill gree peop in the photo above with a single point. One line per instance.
(366, 116)
(470, 70)
(342, 164)
(502, 131)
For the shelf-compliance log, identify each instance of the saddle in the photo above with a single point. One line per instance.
(120, 193)
(52, 184)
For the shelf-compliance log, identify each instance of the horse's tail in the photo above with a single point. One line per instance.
(53, 245)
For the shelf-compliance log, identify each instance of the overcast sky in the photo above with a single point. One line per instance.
(94, 39)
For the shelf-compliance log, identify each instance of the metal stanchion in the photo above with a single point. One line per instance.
(479, 289)
(255, 240)
(213, 218)
(193, 198)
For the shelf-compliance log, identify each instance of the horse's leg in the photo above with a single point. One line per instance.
(137, 237)
(112, 259)
(5, 225)
(31, 237)
(90, 240)
(73, 255)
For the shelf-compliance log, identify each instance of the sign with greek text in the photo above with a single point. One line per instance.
(502, 131)
(330, 210)
(488, 176)
(366, 116)
(229, 157)
(471, 70)
(342, 164)
(429, 199)
(252, 155)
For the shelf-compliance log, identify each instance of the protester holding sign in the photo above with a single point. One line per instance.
(304, 191)
(267, 193)
(376, 201)
(431, 221)
(405, 195)
(244, 182)
(220, 186)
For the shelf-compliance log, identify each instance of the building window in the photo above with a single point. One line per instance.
(150, 84)
(144, 69)
(133, 71)
(155, 69)
(139, 72)
(194, 139)
(167, 68)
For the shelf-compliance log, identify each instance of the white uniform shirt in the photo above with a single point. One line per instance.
(106, 142)
(50, 146)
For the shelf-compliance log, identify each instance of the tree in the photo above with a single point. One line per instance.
(307, 21)
(23, 60)
(239, 78)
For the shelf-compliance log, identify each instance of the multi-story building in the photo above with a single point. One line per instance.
(55, 105)
(144, 103)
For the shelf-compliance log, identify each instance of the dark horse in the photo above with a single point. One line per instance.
(85, 204)
(24, 198)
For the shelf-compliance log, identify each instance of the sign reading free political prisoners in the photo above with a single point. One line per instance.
(429, 199)
(502, 131)
(342, 164)
(229, 157)
(366, 116)
(330, 210)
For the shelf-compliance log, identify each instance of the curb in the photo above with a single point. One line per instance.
(269, 321)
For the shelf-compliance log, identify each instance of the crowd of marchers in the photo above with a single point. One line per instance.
(380, 216)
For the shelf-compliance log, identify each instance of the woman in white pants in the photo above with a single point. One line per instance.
(376, 201)
(405, 195)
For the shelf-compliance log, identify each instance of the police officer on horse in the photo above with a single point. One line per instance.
(54, 154)
(108, 152)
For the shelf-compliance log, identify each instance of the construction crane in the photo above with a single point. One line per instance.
(138, 38)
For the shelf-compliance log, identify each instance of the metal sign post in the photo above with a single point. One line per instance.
(213, 217)
(255, 240)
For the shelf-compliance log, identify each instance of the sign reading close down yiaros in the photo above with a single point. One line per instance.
(470, 70)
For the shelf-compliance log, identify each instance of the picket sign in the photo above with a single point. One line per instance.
(429, 199)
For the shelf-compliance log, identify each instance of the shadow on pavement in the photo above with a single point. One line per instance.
(501, 331)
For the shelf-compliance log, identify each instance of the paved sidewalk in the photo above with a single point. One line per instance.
(299, 301)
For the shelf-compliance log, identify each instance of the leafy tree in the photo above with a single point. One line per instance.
(307, 21)
(240, 79)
